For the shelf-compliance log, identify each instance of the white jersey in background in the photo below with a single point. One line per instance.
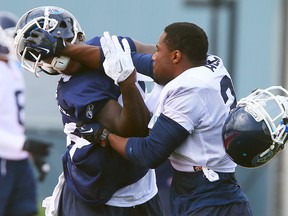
(12, 98)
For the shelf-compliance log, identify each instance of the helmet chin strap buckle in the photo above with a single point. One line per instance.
(60, 63)
(57, 65)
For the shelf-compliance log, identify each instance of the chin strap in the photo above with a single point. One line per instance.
(60, 63)
(57, 65)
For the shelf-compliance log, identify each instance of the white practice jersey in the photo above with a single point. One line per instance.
(12, 135)
(199, 100)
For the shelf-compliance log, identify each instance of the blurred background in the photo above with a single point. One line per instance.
(249, 35)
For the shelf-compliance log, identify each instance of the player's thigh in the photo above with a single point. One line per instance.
(233, 209)
(72, 206)
(23, 200)
(6, 185)
(153, 207)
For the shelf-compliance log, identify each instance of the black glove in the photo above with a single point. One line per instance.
(39, 151)
(44, 43)
(37, 147)
(94, 132)
(41, 165)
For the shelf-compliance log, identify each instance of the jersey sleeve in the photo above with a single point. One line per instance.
(143, 63)
(96, 42)
(164, 137)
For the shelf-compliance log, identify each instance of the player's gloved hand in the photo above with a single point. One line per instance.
(37, 147)
(44, 43)
(118, 63)
(94, 133)
(41, 165)
(39, 150)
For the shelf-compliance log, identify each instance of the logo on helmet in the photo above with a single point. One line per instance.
(53, 10)
(259, 160)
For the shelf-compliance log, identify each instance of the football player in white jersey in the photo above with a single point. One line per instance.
(17, 180)
(187, 122)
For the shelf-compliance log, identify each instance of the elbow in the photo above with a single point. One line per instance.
(150, 160)
(144, 153)
(154, 164)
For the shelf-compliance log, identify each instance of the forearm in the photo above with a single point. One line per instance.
(89, 55)
(151, 151)
(134, 111)
(118, 143)
(144, 48)
(86, 55)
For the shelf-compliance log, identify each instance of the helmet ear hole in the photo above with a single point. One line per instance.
(80, 37)
(63, 24)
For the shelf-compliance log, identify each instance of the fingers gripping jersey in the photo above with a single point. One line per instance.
(201, 105)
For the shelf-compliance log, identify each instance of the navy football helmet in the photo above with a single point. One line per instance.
(59, 23)
(7, 28)
(256, 130)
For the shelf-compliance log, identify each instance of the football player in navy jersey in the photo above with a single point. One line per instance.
(95, 181)
(17, 179)
(187, 122)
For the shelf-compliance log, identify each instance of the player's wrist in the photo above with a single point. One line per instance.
(129, 80)
(60, 46)
(104, 141)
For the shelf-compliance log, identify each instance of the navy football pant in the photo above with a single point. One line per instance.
(71, 206)
(193, 194)
(17, 188)
(234, 209)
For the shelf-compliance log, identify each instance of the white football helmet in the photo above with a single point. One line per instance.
(59, 23)
(256, 130)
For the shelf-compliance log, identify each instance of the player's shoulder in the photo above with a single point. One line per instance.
(95, 41)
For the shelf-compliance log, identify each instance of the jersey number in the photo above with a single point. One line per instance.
(20, 106)
(227, 91)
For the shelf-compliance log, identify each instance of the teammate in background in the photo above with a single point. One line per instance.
(104, 183)
(186, 125)
(18, 194)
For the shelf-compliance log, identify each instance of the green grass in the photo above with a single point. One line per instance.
(41, 210)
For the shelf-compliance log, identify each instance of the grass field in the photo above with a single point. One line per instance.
(41, 210)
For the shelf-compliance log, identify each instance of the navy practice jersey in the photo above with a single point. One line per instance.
(100, 171)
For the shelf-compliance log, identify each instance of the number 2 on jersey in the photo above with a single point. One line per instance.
(227, 91)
